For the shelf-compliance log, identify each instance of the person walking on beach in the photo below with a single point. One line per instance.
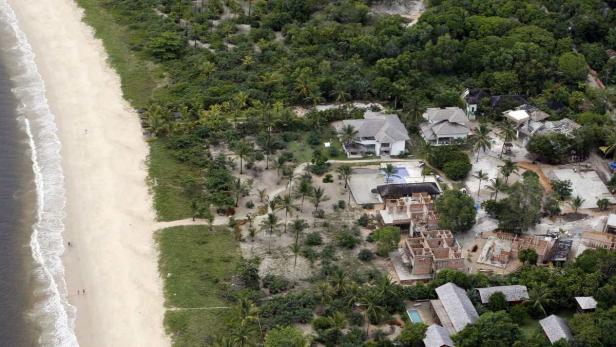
(84, 291)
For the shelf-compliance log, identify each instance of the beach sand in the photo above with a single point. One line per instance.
(110, 220)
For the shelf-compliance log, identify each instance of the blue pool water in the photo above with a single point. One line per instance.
(399, 176)
(414, 316)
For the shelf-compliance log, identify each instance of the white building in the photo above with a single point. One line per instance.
(377, 134)
(444, 126)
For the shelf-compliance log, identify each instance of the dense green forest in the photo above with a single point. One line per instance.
(212, 73)
(231, 69)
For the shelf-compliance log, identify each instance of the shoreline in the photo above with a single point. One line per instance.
(110, 219)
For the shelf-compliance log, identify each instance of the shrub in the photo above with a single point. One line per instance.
(334, 151)
(356, 319)
(328, 252)
(454, 163)
(320, 324)
(365, 255)
(341, 204)
(313, 239)
(328, 178)
(347, 239)
(248, 271)
(276, 284)
(310, 254)
(551, 148)
(250, 204)
(320, 213)
(497, 302)
(363, 220)
(288, 309)
(387, 240)
(492, 207)
(457, 169)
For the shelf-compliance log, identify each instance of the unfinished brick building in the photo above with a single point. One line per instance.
(428, 251)
(542, 246)
(412, 211)
(595, 239)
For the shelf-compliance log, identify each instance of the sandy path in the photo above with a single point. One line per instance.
(109, 215)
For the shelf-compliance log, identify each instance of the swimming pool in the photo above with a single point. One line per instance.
(414, 315)
(399, 176)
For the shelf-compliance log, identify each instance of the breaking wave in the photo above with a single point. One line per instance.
(52, 313)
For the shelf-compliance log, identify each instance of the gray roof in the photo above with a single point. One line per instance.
(450, 114)
(437, 336)
(458, 306)
(444, 122)
(586, 302)
(385, 128)
(555, 328)
(512, 293)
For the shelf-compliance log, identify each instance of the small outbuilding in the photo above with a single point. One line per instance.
(437, 336)
(586, 303)
(555, 328)
(610, 225)
(513, 293)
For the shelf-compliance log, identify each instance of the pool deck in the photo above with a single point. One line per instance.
(423, 308)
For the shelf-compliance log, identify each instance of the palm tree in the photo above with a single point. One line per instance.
(603, 204)
(279, 164)
(244, 333)
(345, 171)
(425, 149)
(611, 145)
(225, 341)
(540, 297)
(497, 186)
(480, 175)
(240, 188)
(348, 133)
(298, 226)
(389, 170)
(242, 149)
(371, 301)
(270, 224)
(157, 121)
(262, 194)
(576, 203)
(286, 204)
(426, 171)
(303, 190)
(318, 196)
(324, 293)
(386, 287)
(339, 280)
(482, 141)
(248, 312)
(507, 169)
(288, 172)
(339, 94)
(508, 133)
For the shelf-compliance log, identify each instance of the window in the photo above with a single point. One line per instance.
(385, 145)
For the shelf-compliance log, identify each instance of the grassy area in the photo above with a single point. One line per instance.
(529, 327)
(138, 75)
(139, 80)
(168, 174)
(301, 152)
(195, 264)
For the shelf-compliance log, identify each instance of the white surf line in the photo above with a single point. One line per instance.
(54, 315)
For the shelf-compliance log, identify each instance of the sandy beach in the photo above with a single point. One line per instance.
(110, 220)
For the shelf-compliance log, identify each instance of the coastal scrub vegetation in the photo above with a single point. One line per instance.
(227, 92)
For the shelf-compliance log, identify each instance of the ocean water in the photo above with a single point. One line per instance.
(33, 297)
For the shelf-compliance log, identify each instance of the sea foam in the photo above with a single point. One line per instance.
(53, 314)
